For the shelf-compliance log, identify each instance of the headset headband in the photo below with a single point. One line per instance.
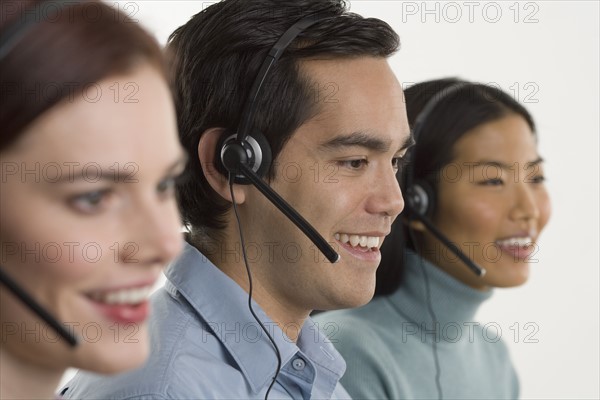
(276, 51)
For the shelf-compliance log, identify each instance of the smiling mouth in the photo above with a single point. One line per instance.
(516, 242)
(129, 296)
(360, 242)
(520, 248)
(125, 305)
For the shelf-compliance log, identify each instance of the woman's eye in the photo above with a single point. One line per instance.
(167, 185)
(492, 182)
(90, 202)
(537, 179)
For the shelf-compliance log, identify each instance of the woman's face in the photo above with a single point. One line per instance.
(492, 203)
(89, 220)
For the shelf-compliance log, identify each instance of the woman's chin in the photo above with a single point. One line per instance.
(506, 276)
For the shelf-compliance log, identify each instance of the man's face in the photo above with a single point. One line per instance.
(338, 170)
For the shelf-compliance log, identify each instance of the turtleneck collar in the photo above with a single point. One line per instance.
(451, 300)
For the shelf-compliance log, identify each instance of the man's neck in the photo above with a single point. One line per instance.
(289, 317)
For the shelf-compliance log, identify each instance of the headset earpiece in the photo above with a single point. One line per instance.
(246, 153)
(254, 151)
(247, 146)
(421, 198)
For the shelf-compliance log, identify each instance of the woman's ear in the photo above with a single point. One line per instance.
(207, 154)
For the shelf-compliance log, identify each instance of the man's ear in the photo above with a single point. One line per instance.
(207, 154)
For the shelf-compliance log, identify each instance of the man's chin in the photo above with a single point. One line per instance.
(352, 300)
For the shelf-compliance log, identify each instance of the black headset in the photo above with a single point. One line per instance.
(420, 203)
(245, 157)
(420, 195)
(247, 146)
(246, 153)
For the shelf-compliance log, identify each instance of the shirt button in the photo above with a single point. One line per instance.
(298, 364)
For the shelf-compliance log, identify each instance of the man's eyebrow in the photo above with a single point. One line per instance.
(361, 139)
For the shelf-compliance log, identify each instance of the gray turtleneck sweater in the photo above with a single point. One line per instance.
(388, 344)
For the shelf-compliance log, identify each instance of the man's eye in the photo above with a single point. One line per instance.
(354, 164)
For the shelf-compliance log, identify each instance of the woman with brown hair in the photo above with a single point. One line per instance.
(89, 155)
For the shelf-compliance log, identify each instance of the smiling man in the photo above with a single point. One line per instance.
(334, 117)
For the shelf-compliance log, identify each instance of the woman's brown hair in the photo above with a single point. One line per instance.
(66, 51)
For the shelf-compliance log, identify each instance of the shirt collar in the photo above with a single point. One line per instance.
(223, 305)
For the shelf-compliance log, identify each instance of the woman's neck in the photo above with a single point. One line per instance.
(20, 379)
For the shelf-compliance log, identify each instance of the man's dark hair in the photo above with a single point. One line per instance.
(215, 58)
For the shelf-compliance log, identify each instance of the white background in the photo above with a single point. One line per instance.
(546, 54)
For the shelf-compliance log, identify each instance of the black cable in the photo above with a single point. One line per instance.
(34, 306)
(436, 360)
(277, 353)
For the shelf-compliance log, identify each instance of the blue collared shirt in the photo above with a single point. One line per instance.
(206, 345)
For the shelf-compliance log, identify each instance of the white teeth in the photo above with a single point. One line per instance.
(356, 240)
(373, 242)
(363, 241)
(516, 242)
(123, 296)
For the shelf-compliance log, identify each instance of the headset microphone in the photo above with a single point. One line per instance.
(289, 212)
(37, 309)
(247, 155)
(420, 197)
(420, 202)
(451, 246)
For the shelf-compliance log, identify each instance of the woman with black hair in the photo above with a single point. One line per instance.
(477, 179)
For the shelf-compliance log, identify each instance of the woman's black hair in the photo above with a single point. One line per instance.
(472, 105)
